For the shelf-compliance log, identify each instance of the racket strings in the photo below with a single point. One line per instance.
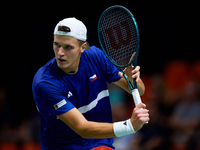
(118, 34)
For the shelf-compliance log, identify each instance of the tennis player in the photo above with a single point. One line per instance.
(72, 97)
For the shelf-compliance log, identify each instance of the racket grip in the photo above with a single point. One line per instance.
(136, 98)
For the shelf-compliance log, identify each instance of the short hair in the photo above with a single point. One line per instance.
(64, 28)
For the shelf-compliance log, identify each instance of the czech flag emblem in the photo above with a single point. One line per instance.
(93, 78)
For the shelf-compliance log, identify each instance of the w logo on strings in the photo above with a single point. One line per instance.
(119, 35)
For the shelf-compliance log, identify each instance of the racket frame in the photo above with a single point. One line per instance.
(135, 92)
(134, 60)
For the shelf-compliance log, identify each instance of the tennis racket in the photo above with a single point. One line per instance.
(119, 38)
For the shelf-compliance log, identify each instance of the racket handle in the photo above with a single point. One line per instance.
(136, 98)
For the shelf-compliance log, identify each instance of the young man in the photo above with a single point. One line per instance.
(72, 97)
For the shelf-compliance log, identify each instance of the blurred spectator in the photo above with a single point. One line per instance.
(185, 119)
(176, 75)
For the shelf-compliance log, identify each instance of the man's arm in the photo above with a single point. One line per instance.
(89, 129)
(86, 129)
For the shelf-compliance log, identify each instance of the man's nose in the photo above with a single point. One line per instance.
(61, 51)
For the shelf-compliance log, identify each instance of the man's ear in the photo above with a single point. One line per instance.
(83, 47)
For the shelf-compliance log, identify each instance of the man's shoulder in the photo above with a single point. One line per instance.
(93, 50)
(94, 53)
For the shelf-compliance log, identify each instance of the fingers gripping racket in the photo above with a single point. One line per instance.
(119, 38)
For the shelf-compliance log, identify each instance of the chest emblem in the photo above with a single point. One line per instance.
(93, 78)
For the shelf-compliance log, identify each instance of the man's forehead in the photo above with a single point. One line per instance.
(65, 39)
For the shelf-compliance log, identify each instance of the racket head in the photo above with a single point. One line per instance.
(119, 36)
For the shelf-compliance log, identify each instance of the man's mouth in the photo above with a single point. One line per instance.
(61, 60)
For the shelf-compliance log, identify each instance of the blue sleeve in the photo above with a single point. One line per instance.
(51, 99)
(110, 70)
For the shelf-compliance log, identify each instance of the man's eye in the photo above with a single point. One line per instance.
(68, 47)
(56, 44)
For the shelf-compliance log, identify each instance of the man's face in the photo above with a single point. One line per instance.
(67, 51)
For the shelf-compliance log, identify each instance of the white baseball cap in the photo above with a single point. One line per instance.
(76, 29)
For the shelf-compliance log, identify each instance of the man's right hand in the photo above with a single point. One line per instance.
(139, 116)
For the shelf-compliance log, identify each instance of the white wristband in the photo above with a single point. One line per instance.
(123, 128)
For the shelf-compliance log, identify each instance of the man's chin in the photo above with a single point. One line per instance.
(62, 66)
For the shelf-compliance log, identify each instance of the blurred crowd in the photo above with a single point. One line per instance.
(17, 132)
(173, 98)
